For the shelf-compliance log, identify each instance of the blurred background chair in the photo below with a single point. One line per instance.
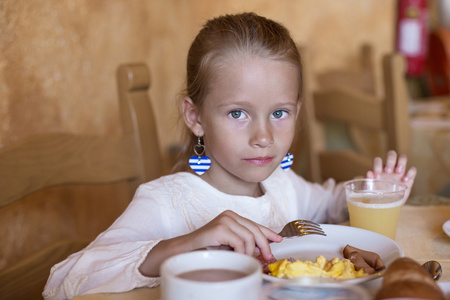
(38, 233)
(363, 78)
(383, 119)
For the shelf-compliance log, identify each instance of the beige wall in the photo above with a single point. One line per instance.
(58, 57)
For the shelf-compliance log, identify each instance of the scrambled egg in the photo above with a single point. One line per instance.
(335, 268)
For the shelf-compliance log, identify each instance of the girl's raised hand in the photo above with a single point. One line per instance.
(231, 230)
(395, 169)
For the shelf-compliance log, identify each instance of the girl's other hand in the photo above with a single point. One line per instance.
(394, 169)
(231, 230)
(227, 230)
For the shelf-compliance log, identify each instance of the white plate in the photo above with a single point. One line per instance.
(446, 227)
(338, 236)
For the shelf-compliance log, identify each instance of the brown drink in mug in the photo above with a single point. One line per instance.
(214, 274)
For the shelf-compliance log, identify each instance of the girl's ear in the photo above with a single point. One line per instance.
(299, 105)
(191, 116)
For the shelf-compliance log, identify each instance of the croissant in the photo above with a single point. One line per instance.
(406, 278)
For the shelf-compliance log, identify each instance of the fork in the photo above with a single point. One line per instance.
(300, 228)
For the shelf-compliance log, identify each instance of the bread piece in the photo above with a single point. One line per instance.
(406, 278)
(409, 289)
(403, 269)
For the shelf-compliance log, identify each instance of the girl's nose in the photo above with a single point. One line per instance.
(261, 135)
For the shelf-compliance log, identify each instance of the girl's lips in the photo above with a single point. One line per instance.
(260, 161)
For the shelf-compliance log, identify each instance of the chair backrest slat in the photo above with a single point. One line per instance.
(133, 83)
(56, 159)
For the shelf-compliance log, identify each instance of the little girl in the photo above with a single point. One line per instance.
(244, 80)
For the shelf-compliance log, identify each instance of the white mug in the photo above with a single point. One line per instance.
(175, 285)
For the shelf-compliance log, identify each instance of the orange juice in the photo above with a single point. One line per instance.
(379, 214)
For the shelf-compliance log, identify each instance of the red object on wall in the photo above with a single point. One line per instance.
(412, 34)
(438, 62)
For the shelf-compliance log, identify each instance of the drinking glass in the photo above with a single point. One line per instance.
(375, 204)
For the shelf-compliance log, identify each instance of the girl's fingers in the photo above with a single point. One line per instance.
(408, 179)
(247, 240)
(259, 237)
(270, 234)
(370, 174)
(410, 175)
(262, 241)
(401, 164)
(377, 167)
(394, 169)
(234, 241)
(391, 161)
(242, 234)
(394, 165)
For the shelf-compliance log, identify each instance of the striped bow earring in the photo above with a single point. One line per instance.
(287, 161)
(199, 163)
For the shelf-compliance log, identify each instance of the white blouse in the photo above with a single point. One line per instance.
(177, 204)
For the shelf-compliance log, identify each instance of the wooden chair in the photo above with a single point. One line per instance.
(47, 211)
(363, 78)
(356, 108)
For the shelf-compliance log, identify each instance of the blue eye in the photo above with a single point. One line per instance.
(279, 114)
(237, 114)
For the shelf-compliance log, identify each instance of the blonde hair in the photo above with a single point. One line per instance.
(222, 38)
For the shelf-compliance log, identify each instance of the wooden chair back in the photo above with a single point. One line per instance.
(363, 78)
(354, 107)
(58, 191)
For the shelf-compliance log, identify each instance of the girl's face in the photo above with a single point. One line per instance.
(248, 122)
